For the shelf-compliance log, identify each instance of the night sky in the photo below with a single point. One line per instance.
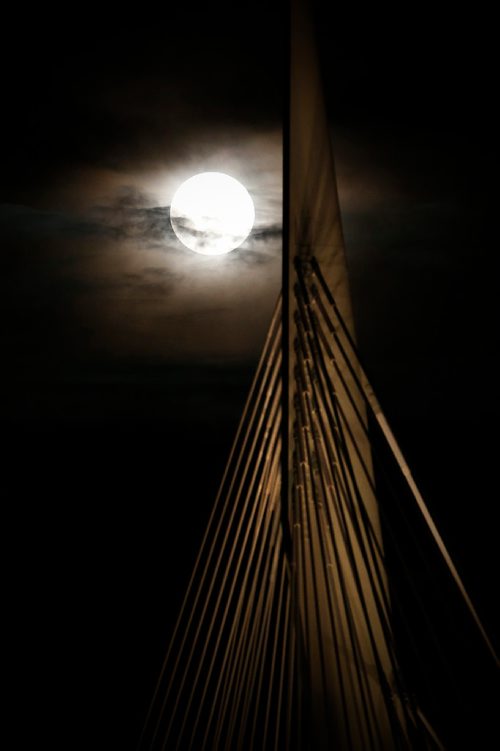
(127, 358)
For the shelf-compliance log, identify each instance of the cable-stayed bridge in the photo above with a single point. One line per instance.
(286, 636)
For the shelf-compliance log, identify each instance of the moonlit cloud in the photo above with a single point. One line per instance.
(132, 283)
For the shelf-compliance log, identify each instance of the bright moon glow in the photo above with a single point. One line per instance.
(212, 213)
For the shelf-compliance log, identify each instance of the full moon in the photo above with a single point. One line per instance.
(212, 213)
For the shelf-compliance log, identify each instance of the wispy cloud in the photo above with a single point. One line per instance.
(30, 221)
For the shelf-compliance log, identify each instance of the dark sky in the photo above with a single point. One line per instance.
(126, 359)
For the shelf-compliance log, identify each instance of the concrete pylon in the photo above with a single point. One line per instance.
(338, 580)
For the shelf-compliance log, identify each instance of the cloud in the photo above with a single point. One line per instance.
(252, 258)
(195, 313)
(137, 285)
(96, 269)
(31, 221)
(271, 232)
(131, 214)
(205, 239)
